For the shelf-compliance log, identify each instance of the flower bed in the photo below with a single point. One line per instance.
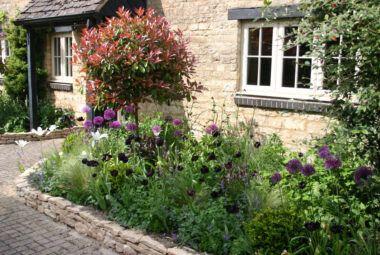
(9, 138)
(219, 193)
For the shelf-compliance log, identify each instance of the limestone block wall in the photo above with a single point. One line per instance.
(12, 6)
(215, 41)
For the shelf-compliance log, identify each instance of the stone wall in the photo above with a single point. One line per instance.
(215, 41)
(9, 138)
(12, 7)
(92, 223)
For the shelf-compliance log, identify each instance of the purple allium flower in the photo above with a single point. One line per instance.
(294, 166)
(129, 109)
(98, 120)
(275, 178)
(323, 151)
(214, 127)
(361, 175)
(178, 132)
(208, 130)
(115, 125)
(332, 162)
(156, 130)
(131, 127)
(109, 114)
(87, 124)
(176, 122)
(308, 170)
(86, 109)
(168, 118)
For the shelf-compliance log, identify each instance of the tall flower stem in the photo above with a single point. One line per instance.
(137, 118)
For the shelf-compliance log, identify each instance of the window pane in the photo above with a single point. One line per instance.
(253, 44)
(304, 73)
(266, 47)
(7, 49)
(252, 71)
(289, 37)
(303, 49)
(289, 73)
(265, 71)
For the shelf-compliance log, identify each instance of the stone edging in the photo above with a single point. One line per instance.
(91, 222)
(9, 138)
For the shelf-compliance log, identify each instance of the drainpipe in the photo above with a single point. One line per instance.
(32, 86)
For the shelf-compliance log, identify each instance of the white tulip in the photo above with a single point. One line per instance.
(97, 136)
(39, 131)
(21, 143)
(51, 129)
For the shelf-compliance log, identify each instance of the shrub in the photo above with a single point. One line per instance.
(135, 58)
(272, 229)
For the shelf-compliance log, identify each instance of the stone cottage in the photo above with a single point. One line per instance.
(240, 60)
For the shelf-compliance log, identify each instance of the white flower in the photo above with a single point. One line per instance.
(51, 129)
(21, 143)
(97, 136)
(39, 131)
(84, 153)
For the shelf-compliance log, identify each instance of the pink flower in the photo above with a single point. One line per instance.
(98, 120)
(214, 127)
(208, 130)
(176, 122)
(156, 130)
(86, 109)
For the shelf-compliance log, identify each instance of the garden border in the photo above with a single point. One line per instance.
(90, 222)
(9, 138)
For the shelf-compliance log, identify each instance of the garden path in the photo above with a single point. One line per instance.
(24, 230)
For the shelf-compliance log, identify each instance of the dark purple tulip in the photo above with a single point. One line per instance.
(257, 144)
(217, 169)
(211, 156)
(204, 169)
(128, 172)
(114, 173)
(194, 158)
(191, 192)
(237, 154)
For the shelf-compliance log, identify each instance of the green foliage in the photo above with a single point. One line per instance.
(272, 229)
(16, 68)
(349, 29)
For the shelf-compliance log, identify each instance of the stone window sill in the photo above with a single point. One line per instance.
(61, 86)
(281, 104)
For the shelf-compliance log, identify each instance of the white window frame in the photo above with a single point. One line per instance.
(64, 76)
(275, 89)
(5, 51)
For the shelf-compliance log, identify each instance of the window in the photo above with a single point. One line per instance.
(270, 70)
(5, 50)
(62, 56)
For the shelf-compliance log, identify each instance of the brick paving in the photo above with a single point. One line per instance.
(24, 230)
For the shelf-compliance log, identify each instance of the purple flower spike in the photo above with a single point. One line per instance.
(275, 178)
(178, 133)
(87, 124)
(115, 125)
(361, 175)
(129, 109)
(294, 166)
(308, 170)
(98, 120)
(131, 127)
(333, 162)
(176, 122)
(86, 109)
(323, 151)
(109, 114)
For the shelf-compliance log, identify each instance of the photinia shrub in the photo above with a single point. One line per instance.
(134, 58)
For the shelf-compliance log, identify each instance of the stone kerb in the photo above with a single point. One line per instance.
(88, 221)
(9, 138)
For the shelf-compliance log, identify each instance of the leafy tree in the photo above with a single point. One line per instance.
(135, 58)
(16, 68)
(345, 38)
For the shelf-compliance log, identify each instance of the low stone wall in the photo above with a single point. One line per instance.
(91, 222)
(9, 138)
